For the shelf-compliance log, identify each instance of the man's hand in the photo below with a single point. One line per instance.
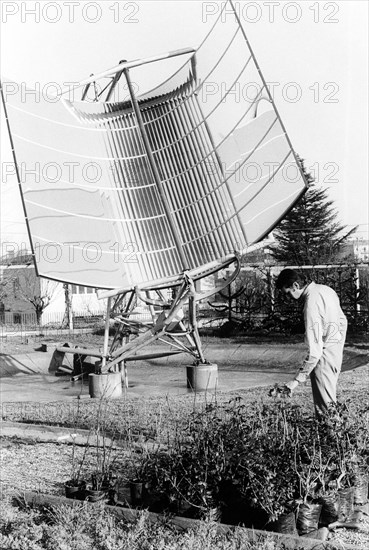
(290, 386)
(283, 391)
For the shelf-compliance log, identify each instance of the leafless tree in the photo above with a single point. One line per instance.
(38, 292)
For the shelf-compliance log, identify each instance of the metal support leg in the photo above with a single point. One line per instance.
(106, 334)
(194, 327)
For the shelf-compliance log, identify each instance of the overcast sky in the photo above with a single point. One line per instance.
(313, 54)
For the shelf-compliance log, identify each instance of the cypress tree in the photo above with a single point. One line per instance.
(310, 233)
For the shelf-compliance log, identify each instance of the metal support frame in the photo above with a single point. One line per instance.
(110, 73)
(108, 89)
(166, 326)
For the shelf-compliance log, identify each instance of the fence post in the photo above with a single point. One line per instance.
(270, 288)
(106, 333)
(357, 284)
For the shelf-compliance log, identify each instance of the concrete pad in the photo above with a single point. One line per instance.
(25, 363)
(36, 362)
(27, 377)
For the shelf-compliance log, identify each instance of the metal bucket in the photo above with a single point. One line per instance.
(202, 377)
(105, 386)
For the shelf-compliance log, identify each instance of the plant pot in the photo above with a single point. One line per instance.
(105, 386)
(95, 495)
(329, 513)
(345, 503)
(75, 490)
(308, 517)
(361, 488)
(286, 523)
(136, 489)
(202, 377)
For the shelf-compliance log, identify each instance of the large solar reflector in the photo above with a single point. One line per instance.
(224, 171)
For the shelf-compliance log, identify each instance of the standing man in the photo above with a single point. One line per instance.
(325, 333)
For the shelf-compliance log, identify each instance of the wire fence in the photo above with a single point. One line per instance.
(56, 324)
(24, 324)
(53, 319)
(251, 304)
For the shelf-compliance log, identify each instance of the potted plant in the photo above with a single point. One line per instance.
(186, 475)
(160, 475)
(102, 483)
(103, 480)
(333, 457)
(201, 463)
(266, 470)
(137, 468)
(270, 481)
(138, 479)
(361, 476)
(343, 437)
(75, 487)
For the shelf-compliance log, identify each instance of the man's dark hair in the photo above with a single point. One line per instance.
(287, 277)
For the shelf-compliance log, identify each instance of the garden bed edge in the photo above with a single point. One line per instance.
(290, 541)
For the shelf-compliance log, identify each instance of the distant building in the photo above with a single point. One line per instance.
(346, 252)
(13, 307)
(361, 250)
(19, 282)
